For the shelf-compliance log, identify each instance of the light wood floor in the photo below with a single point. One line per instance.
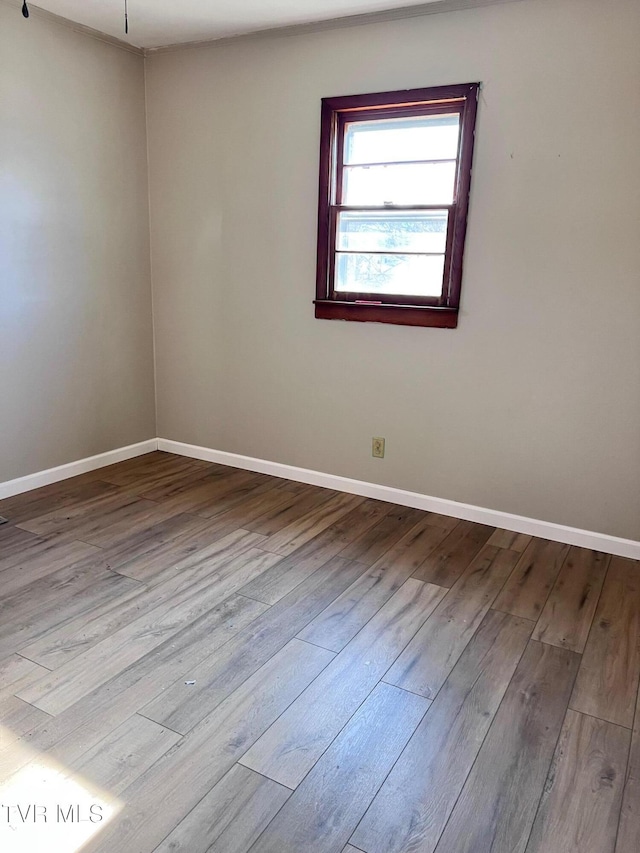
(229, 662)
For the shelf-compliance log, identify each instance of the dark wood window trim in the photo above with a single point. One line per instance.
(441, 312)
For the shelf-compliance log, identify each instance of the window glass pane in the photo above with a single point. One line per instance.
(411, 275)
(395, 231)
(391, 140)
(409, 183)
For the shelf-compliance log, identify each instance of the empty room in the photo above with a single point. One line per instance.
(320, 426)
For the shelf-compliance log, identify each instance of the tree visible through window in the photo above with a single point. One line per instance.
(395, 174)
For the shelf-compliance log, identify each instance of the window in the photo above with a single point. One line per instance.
(395, 173)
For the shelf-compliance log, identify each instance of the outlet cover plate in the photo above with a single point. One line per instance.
(377, 448)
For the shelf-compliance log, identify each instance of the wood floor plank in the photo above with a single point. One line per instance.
(17, 672)
(217, 473)
(18, 718)
(348, 613)
(439, 520)
(217, 677)
(322, 813)
(230, 817)
(416, 545)
(13, 542)
(148, 551)
(75, 634)
(271, 522)
(154, 460)
(374, 542)
(119, 759)
(179, 605)
(163, 487)
(290, 748)
(38, 607)
(29, 549)
(142, 470)
(344, 617)
(607, 682)
(206, 545)
(247, 488)
(19, 509)
(123, 523)
(527, 590)
(497, 806)
(158, 485)
(212, 565)
(446, 563)
(207, 553)
(161, 797)
(36, 587)
(245, 504)
(41, 558)
(566, 618)
(580, 805)
(69, 639)
(300, 531)
(427, 661)
(290, 571)
(628, 840)
(203, 498)
(68, 736)
(298, 487)
(82, 517)
(510, 540)
(411, 809)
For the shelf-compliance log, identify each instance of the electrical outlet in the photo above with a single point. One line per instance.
(377, 448)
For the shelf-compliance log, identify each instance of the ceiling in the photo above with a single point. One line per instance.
(156, 23)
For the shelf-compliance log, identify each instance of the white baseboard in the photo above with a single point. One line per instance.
(72, 469)
(518, 523)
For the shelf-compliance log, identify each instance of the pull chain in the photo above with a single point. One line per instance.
(25, 14)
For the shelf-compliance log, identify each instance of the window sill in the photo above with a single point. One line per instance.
(400, 315)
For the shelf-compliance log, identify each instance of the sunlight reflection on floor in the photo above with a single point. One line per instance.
(45, 808)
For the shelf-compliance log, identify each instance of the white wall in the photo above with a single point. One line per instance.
(533, 404)
(76, 356)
